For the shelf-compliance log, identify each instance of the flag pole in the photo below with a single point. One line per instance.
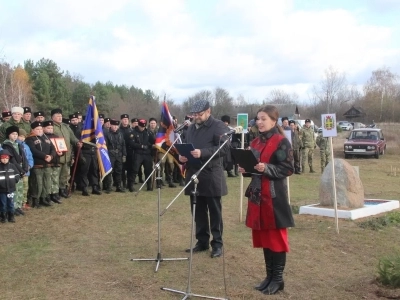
(78, 153)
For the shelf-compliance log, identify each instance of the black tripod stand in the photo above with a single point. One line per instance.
(159, 257)
(188, 293)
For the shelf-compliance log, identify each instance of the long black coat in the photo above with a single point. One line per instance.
(208, 138)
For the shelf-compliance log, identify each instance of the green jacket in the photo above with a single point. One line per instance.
(22, 125)
(296, 141)
(323, 143)
(308, 137)
(63, 131)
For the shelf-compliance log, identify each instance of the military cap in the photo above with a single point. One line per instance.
(292, 122)
(200, 106)
(36, 124)
(123, 116)
(78, 113)
(152, 119)
(142, 123)
(38, 114)
(101, 116)
(226, 119)
(27, 109)
(308, 121)
(114, 122)
(56, 111)
(107, 120)
(134, 120)
(73, 116)
(48, 123)
(6, 114)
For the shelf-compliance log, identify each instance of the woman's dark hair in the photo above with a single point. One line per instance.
(273, 113)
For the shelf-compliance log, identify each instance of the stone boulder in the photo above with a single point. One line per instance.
(349, 188)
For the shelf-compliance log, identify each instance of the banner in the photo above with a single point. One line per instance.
(166, 135)
(92, 133)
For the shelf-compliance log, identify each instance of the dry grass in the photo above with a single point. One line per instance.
(82, 248)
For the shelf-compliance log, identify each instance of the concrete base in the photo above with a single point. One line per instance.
(371, 207)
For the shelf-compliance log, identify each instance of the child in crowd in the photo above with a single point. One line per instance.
(28, 153)
(18, 158)
(9, 177)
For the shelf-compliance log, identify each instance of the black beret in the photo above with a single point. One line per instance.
(107, 120)
(292, 122)
(12, 129)
(200, 106)
(308, 121)
(5, 114)
(27, 109)
(101, 116)
(142, 123)
(284, 118)
(73, 116)
(123, 116)
(66, 121)
(48, 123)
(226, 119)
(134, 120)
(114, 122)
(38, 114)
(56, 111)
(36, 124)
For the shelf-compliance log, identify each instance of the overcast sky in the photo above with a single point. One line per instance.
(179, 47)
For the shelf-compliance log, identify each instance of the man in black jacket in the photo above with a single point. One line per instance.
(142, 144)
(206, 135)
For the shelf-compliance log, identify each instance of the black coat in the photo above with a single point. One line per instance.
(115, 143)
(9, 177)
(142, 141)
(19, 160)
(207, 138)
(40, 147)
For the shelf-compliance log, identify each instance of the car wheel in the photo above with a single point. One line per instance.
(377, 154)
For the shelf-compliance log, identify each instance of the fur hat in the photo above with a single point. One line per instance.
(56, 111)
(114, 122)
(48, 123)
(226, 119)
(38, 113)
(142, 123)
(17, 109)
(11, 129)
(36, 124)
(6, 114)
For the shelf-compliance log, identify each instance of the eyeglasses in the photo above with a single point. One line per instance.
(199, 114)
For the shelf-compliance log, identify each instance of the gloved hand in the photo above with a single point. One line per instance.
(124, 159)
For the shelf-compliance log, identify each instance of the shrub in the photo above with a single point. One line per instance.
(389, 271)
(392, 218)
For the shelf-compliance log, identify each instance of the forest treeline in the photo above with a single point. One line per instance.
(43, 86)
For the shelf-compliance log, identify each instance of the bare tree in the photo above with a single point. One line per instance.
(278, 96)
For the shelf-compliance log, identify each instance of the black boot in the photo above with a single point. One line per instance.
(131, 188)
(85, 192)
(149, 187)
(120, 189)
(276, 284)
(10, 216)
(64, 193)
(268, 266)
(43, 202)
(96, 190)
(55, 198)
(48, 200)
(35, 203)
(170, 183)
(3, 217)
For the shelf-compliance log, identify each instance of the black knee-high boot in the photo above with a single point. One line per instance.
(276, 284)
(269, 267)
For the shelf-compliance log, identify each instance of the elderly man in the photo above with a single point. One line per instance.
(206, 135)
(63, 131)
(26, 117)
(15, 120)
(39, 116)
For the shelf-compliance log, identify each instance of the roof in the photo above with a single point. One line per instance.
(354, 111)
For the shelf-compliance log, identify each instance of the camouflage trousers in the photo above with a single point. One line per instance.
(54, 180)
(25, 192)
(307, 153)
(19, 194)
(63, 174)
(325, 158)
(40, 182)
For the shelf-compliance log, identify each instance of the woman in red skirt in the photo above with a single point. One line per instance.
(269, 213)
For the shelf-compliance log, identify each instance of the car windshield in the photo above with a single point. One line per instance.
(364, 135)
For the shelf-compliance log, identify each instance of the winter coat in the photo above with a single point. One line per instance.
(142, 141)
(9, 177)
(40, 147)
(63, 131)
(115, 143)
(308, 137)
(18, 156)
(207, 138)
(296, 141)
(268, 205)
(28, 155)
(21, 125)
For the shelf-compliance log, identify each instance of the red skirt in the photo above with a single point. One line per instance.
(274, 239)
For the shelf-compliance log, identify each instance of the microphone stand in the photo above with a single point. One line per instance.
(188, 294)
(159, 257)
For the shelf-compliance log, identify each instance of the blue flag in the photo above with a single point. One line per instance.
(92, 133)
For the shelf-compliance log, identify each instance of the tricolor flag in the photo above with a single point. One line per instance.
(166, 135)
(92, 133)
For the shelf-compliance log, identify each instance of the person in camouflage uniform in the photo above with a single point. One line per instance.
(16, 120)
(308, 141)
(63, 131)
(296, 146)
(325, 150)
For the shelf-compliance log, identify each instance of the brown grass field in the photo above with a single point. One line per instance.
(82, 248)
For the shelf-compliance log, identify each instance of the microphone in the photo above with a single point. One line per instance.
(229, 132)
(187, 122)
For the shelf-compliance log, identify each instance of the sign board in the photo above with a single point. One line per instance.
(328, 122)
(243, 120)
(288, 134)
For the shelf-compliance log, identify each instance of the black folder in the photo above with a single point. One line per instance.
(184, 150)
(245, 159)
